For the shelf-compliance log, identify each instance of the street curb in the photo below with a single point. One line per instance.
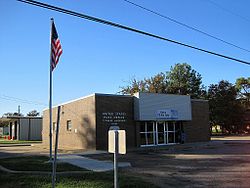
(41, 172)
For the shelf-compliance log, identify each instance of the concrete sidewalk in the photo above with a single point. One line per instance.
(90, 164)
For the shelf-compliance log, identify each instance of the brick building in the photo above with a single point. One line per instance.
(149, 119)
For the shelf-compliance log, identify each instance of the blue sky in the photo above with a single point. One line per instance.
(98, 58)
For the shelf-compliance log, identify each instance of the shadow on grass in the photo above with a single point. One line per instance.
(35, 163)
(40, 163)
(91, 179)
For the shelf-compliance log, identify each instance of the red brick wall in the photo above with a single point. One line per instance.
(198, 130)
(82, 116)
(114, 104)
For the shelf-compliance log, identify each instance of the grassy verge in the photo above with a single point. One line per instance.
(4, 141)
(89, 179)
(35, 163)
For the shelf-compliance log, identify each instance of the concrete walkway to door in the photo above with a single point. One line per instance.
(90, 164)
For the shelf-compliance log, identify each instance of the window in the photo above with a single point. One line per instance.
(53, 127)
(142, 127)
(160, 133)
(147, 132)
(170, 126)
(171, 137)
(69, 125)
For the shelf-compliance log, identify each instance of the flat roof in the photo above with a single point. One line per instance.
(119, 95)
(87, 96)
(22, 117)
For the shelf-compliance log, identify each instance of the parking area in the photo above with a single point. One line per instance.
(219, 163)
(222, 162)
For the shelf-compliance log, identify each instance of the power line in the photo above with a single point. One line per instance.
(102, 21)
(185, 25)
(229, 11)
(18, 100)
(24, 101)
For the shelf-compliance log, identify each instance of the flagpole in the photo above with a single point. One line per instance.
(56, 147)
(50, 97)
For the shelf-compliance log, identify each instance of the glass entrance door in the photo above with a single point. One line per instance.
(160, 133)
(153, 133)
(171, 132)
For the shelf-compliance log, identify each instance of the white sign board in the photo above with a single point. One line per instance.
(167, 114)
(121, 141)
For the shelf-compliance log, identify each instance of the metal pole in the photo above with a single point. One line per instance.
(56, 146)
(115, 161)
(50, 99)
(19, 110)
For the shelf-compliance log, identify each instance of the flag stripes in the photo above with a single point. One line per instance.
(56, 48)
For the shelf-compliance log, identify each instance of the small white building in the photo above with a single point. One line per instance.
(25, 128)
(4, 131)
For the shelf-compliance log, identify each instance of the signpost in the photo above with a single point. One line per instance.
(116, 145)
(56, 146)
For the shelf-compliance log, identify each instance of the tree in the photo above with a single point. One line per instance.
(156, 84)
(4, 122)
(223, 105)
(181, 79)
(243, 87)
(184, 80)
(134, 86)
(33, 113)
(10, 114)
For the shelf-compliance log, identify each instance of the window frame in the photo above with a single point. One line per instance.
(166, 132)
(69, 122)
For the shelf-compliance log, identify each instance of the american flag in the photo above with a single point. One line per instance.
(56, 48)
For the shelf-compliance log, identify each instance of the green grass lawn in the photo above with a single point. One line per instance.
(88, 179)
(35, 163)
(5, 141)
